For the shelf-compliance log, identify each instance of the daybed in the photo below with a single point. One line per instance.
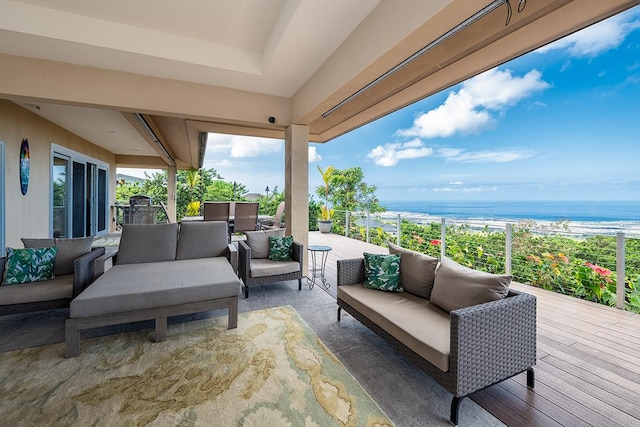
(73, 271)
(463, 327)
(158, 273)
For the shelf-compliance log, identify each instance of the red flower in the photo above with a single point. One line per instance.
(435, 242)
(599, 270)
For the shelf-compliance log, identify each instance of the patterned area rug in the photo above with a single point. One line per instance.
(270, 371)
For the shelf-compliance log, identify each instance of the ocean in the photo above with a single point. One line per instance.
(582, 217)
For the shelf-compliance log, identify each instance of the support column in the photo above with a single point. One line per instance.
(172, 185)
(296, 185)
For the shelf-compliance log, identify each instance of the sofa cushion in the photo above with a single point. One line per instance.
(202, 239)
(121, 288)
(417, 271)
(60, 287)
(280, 248)
(258, 241)
(140, 243)
(457, 286)
(29, 265)
(68, 251)
(382, 272)
(265, 267)
(412, 320)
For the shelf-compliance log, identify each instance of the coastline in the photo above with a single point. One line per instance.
(595, 218)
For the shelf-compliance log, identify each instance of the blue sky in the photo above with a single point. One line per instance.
(560, 123)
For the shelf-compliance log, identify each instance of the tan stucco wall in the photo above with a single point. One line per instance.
(28, 215)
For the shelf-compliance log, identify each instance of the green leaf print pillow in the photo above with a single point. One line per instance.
(382, 272)
(280, 248)
(29, 265)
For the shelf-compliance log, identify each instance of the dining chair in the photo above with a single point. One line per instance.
(216, 211)
(245, 217)
(276, 222)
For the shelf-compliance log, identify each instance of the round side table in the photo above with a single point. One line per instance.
(319, 255)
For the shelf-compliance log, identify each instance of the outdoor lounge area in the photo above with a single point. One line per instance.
(586, 369)
(87, 88)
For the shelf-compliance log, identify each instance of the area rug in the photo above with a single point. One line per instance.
(270, 371)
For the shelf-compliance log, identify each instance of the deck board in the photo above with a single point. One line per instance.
(588, 370)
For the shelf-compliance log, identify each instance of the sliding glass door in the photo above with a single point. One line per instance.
(80, 195)
(2, 200)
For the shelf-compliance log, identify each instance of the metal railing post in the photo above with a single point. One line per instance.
(398, 231)
(620, 270)
(508, 248)
(443, 237)
(346, 224)
(368, 227)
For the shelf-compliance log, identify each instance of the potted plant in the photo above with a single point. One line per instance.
(326, 214)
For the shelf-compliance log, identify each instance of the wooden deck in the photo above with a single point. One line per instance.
(588, 367)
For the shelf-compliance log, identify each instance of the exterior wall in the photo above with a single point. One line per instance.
(28, 215)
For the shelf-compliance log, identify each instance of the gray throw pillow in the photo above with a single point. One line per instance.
(258, 241)
(457, 286)
(417, 271)
(68, 250)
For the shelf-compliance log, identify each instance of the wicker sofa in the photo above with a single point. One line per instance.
(160, 270)
(74, 271)
(464, 350)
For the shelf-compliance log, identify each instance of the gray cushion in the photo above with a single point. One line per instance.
(266, 268)
(202, 239)
(141, 243)
(258, 241)
(68, 250)
(60, 287)
(412, 320)
(125, 288)
(457, 286)
(417, 271)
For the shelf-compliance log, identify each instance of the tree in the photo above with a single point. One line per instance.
(349, 192)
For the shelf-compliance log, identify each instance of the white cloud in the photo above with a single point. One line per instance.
(471, 109)
(313, 154)
(486, 156)
(238, 146)
(596, 39)
(390, 154)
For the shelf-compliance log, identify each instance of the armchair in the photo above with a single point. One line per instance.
(254, 268)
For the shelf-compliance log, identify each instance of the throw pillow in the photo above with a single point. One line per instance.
(417, 271)
(29, 265)
(68, 251)
(382, 272)
(280, 248)
(258, 241)
(457, 286)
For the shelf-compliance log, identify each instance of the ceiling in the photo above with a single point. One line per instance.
(198, 66)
